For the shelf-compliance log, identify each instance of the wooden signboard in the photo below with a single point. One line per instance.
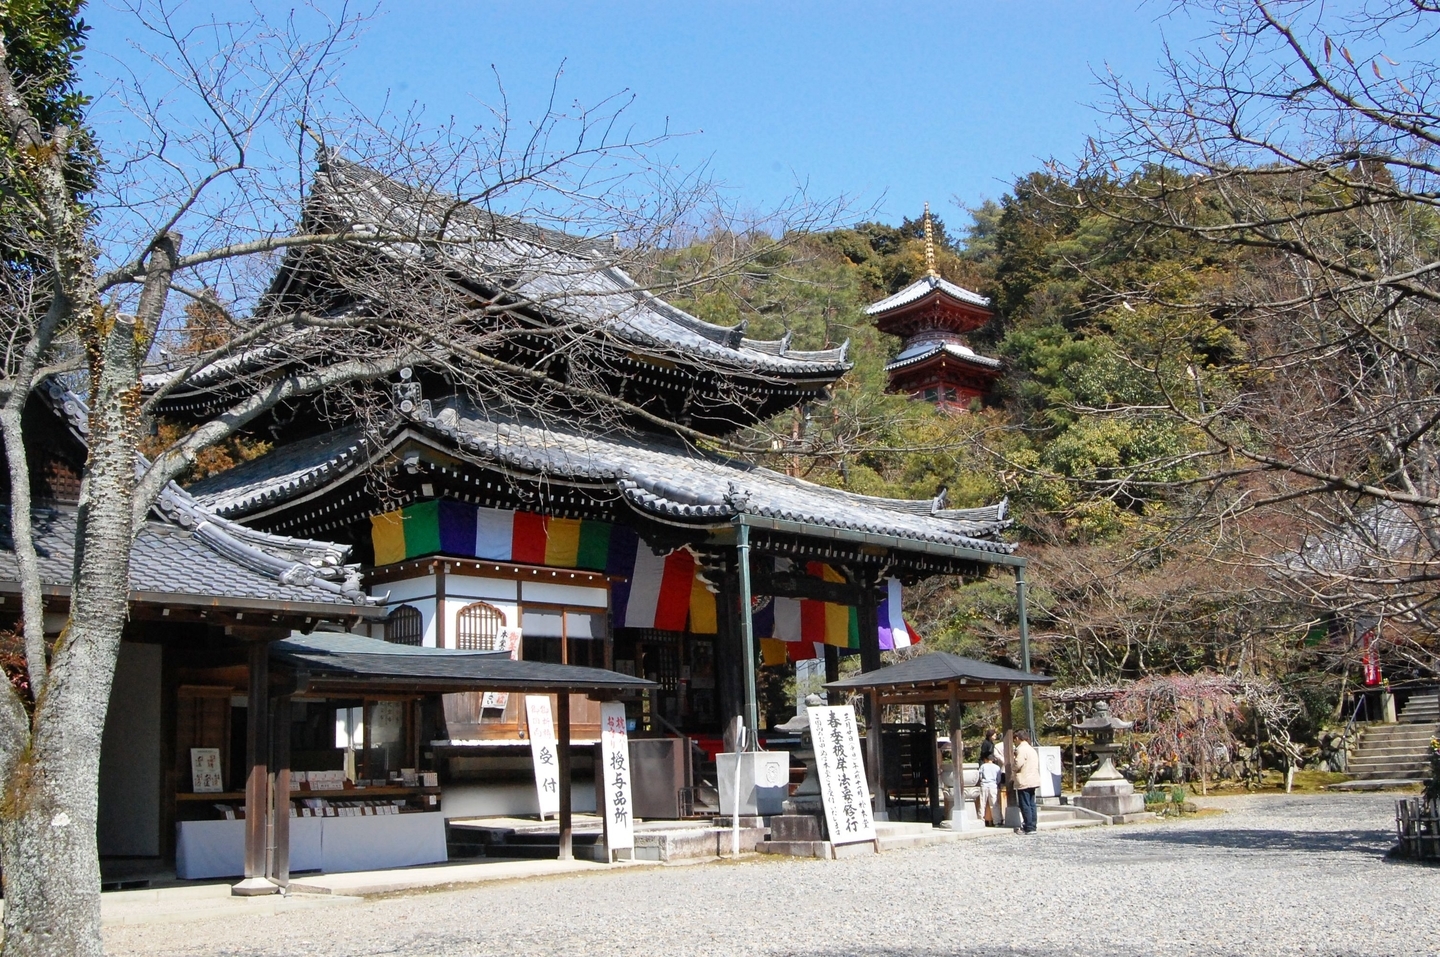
(615, 767)
(842, 774)
(543, 752)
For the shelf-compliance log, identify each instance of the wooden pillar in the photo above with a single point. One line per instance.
(1024, 615)
(832, 673)
(875, 756)
(1007, 734)
(257, 780)
(280, 856)
(746, 621)
(729, 651)
(868, 620)
(562, 721)
(934, 794)
(440, 617)
(957, 754)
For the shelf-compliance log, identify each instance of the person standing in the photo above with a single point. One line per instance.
(987, 747)
(989, 798)
(1025, 765)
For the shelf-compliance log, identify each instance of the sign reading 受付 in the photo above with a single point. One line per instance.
(842, 774)
(615, 766)
(543, 752)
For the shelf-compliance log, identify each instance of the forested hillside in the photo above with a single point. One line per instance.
(1118, 344)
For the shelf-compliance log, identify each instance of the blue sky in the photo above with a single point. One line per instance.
(896, 102)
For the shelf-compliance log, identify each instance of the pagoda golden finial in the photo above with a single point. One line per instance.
(929, 245)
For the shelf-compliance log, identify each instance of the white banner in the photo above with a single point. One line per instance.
(543, 752)
(842, 774)
(507, 640)
(615, 767)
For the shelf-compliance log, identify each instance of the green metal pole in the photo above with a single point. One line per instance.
(747, 634)
(1025, 649)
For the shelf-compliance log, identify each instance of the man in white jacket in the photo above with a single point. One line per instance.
(1025, 765)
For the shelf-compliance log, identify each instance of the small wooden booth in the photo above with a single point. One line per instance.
(929, 680)
(389, 682)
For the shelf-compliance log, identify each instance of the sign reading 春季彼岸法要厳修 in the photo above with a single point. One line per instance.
(543, 752)
(615, 775)
(842, 774)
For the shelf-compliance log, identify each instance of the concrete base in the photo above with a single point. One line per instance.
(821, 849)
(1113, 798)
(785, 828)
(963, 817)
(694, 843)
(254, 887)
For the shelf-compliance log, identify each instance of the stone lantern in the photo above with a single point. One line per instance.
(1107, 791)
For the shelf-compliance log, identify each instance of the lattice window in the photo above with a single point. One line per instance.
(478, 627)
(405, 626)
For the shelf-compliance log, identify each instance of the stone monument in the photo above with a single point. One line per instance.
(804, 817)
(1107, 791)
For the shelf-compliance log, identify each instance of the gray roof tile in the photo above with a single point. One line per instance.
(923, 287)
(563, 275)
(167, 559)
(656, 475)
(937, 668)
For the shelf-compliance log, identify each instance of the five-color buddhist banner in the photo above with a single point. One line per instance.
(650, 590)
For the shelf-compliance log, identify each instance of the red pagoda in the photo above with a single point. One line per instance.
(933, 315)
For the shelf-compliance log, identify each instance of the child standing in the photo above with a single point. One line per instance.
(989, 789)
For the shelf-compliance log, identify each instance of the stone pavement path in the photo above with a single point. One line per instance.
(1274, 875)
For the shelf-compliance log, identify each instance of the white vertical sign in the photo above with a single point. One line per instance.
(842, 774)
(615, 761)
(543, 752)
(508, 639)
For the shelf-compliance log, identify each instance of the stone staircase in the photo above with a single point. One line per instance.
(1396, 753)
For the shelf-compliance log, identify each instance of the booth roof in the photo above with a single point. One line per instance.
(355, 658)
(937, 669)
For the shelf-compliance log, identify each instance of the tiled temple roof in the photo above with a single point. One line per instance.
(921, 351)
(660, 477)
(203, 562)
(565, 276)
(186, 551)
(921, 288)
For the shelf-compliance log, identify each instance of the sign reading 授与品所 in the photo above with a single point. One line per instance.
(842, 774)
(614, 773)
(543, 752)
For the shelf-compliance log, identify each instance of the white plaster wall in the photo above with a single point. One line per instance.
(129, 822)
(481, 589)
(401, 592)
(564, 594)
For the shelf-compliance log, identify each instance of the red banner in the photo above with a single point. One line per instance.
(1370, 658)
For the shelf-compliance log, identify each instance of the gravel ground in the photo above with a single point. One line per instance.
(1273, 875)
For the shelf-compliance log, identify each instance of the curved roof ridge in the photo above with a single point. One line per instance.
(304, 563)
(923, 287)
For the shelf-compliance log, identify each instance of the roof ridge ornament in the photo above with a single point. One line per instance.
(929, 245)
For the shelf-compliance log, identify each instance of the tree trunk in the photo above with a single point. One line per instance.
(47, 819)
